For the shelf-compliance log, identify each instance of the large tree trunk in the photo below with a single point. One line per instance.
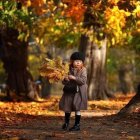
(96, 65)
(19, 80)
(132, 106)
(95, 59)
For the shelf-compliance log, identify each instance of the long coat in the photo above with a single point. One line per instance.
(75, 101)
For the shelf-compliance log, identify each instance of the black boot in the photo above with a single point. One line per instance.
(67, 119)
(76, 126)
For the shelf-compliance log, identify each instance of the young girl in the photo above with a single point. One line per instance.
(74, 96)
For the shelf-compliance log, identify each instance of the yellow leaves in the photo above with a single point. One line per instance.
(138, 23)
(24, 36)
(54, 70)
(136, 12)
(38, 5)
(33, 3)
(116, 17)
(127, 14)
(49, 29)
(1, 7)
(26, 3)
(115, 21)
(1, 103)
(23, 30)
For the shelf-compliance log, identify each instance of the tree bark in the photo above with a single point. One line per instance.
(15, 56)
(96, 65)
(132, 106)
(95, 59)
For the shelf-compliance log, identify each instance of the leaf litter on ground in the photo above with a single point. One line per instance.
(44, 119)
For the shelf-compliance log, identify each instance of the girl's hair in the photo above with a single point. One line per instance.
(71, 64)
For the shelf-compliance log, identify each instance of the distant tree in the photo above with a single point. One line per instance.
(15, 62)
(101, 23)
(15, 24)
(24, 19)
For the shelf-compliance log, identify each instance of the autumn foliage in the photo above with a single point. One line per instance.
(43, 120)
(54, 70)
(116, 18)
(37, 5)
(75, 10)
(112, 15)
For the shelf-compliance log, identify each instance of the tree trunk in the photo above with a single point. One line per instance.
(95, 59)
(126, 79)
(15, 55)
(44, 87)
(96, 65)
(132, 106)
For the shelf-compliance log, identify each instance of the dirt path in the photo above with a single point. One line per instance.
(43, 121)
(92, 128)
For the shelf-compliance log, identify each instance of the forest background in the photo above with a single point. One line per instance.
(68, 22)
(106, 31)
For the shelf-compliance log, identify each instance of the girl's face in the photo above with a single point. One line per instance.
(77, 64)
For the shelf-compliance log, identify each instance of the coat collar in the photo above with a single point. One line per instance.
(77, 72)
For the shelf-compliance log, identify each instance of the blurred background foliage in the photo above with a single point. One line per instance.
(115, 60)
(54, 28)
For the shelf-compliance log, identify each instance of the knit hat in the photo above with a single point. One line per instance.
(77, 56)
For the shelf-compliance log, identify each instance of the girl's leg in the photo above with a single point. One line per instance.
(77, 113)
(76, 126)
(67, 119)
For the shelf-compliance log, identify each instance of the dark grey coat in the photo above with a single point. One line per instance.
(78, 101)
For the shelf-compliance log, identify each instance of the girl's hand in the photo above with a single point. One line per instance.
(71, 77)
(66, 78)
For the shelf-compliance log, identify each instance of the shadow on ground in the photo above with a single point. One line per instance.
(29, 127)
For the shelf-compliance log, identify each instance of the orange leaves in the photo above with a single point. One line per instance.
(34, 120)
(29, 108)
(113, 2)
(33, 3)
(37, 5)
(97, 6)
(75, 10)
(54, 70)
(112, 104)
(138, 24)
(73, 2)
(26, 3)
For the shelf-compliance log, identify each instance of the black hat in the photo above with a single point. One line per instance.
(77, 56)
